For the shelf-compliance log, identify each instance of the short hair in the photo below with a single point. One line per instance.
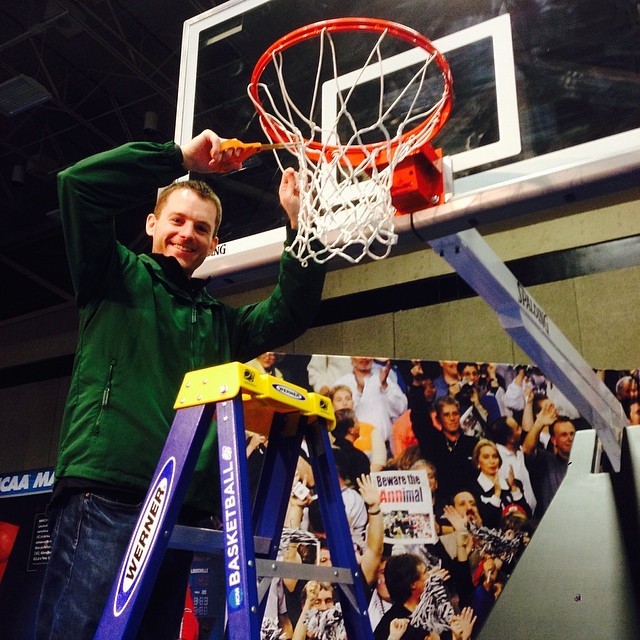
(339, 387)
(621, 392)
(407, 457)
(499, 430)
(441, 401)
(322, 586)
(460, 492)
(430, 369)
(341, 462)
(201, 189)
(483, 442)
(463, 365)
(558, 420)
(345, 420)
(400, 573)
(422, 463)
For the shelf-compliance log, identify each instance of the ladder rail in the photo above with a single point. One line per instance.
(143, 557)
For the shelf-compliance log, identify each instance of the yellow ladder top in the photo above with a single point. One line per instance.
(226, 381)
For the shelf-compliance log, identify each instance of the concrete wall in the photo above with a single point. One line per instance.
(594, 311)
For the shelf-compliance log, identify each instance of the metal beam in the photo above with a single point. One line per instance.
(536, 334)
(124, 52)
(43, 282)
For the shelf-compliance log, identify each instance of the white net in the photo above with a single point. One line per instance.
(344, 179)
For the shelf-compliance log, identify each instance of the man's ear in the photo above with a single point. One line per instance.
(214, 243)
(150, 224)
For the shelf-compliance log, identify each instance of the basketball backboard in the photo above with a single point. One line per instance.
(546, 96)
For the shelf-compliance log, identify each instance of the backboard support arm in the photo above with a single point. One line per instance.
(536, 334)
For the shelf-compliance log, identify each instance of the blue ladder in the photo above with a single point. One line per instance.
(249, 542)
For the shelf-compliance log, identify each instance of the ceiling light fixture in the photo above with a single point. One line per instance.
(17, 175)
(150, 122)
(21, 93)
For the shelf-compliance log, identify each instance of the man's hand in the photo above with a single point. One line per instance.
(462, 624)
(527, 391)
(497, 488)
(458, 522)
(254, 442)
(369, 491)
(397, 628)
(443, 574)
(203, 155)
(299, 500)
(511, 479)
(417, 373)
(313, 589)
(291, 554)
(385, 369)
(547, 415)
(290, 196)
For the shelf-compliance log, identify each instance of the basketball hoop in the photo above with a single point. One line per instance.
(346, 166)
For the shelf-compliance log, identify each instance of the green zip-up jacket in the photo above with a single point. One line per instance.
(141, 329)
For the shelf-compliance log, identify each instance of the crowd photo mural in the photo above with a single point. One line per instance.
(446, 468)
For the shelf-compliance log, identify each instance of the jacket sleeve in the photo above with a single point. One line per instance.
(285, 314)
(395, 400)
(421, 424)
(94, 191)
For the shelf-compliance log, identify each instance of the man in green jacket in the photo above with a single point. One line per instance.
(144, 323)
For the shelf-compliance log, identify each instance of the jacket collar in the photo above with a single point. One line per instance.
(174, 272)
(167, 270)
(487, 483)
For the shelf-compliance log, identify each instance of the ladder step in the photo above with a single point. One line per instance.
(208, 540)
(278, 569)
(205, 540)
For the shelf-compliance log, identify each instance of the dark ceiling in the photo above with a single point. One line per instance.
(105, 63)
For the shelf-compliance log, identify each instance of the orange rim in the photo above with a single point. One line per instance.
(276, 133)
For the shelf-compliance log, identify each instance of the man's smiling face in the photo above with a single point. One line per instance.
(184, 229)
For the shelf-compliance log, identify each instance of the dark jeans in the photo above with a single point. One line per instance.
(89, 535)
